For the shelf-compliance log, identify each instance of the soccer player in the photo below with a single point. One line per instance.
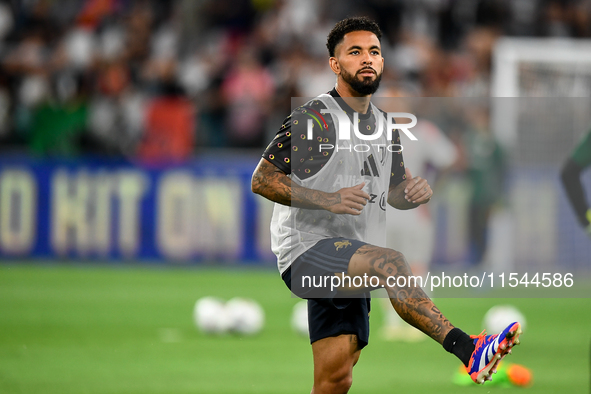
(571, 179)
(329, 217)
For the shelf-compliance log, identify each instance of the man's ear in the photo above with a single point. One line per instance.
(334, 65)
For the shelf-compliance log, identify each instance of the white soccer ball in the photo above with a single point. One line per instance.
(245, 316)
(209, 315)
(299, 318)
(500, 316)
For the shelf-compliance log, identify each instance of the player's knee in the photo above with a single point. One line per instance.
(337, 384)
(344, 384)
(337, 380)
(395, 264)
(395, 256)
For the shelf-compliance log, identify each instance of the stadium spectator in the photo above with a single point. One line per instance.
(239, 59)
(169, 129)
(247, 92)
(485, 170)
(579, 160)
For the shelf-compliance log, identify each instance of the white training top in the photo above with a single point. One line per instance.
(295, 230)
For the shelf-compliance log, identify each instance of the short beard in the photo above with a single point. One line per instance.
(365, 87)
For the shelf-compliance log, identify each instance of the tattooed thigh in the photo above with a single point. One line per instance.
(377, 261)
(389, 266)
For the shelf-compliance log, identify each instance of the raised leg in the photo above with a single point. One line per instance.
(409, 301)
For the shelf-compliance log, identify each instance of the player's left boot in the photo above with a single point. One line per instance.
(490, 349)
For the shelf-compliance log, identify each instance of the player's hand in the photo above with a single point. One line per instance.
(417, 189)
(349, 200)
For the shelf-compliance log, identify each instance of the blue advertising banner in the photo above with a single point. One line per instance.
(96, 208)
(204, 210)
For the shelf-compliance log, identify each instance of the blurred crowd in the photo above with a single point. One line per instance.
(164, 79)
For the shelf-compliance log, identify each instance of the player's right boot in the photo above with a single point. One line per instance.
(490, 349)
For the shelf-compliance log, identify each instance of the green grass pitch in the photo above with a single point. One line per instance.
(128, 329)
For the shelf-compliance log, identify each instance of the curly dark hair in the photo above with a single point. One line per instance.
(358, 23)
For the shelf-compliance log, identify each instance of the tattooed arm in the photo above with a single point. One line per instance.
(273, 184)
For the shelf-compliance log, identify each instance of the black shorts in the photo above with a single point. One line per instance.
(330, 315)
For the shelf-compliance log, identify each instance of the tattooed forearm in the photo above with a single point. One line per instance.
(273, 184)
(396, 197)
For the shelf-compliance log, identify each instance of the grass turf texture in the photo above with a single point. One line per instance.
(128, 329)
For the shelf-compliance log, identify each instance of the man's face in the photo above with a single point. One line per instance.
(360, 61)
